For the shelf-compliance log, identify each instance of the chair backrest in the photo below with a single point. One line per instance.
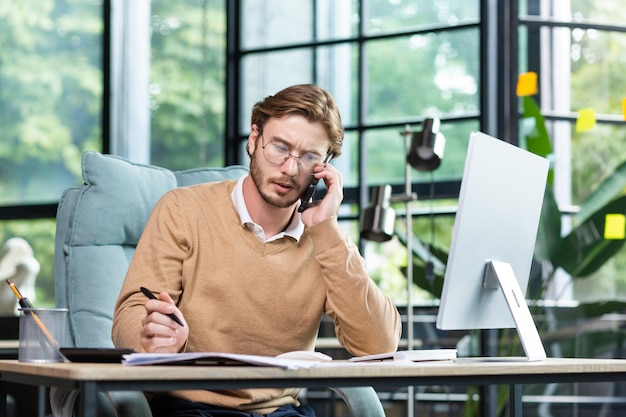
(98, 227)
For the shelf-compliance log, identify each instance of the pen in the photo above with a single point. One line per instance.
(25, 303)
(150, 295)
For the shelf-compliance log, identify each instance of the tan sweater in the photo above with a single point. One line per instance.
(241, 295)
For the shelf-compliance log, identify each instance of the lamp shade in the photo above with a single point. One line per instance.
(378, 219)
(427, 147)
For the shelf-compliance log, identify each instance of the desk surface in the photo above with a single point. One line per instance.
(459, 371)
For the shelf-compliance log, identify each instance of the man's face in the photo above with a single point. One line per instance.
(281, 182)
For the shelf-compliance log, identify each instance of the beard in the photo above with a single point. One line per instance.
(262, 184)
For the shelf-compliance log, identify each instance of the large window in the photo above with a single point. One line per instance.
(577, 49)
(173, 82)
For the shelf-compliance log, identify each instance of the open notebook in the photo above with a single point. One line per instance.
(289, 360)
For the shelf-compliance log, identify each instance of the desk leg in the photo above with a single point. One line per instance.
(489, 400)
(515, 400)
(41, 401)
(87, 400)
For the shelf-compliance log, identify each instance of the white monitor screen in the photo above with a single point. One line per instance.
(500, 202)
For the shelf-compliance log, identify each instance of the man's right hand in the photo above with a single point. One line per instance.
(159, 333)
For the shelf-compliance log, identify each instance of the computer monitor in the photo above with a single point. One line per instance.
(493, 240)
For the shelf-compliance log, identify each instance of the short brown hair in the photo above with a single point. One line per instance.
(308, 100)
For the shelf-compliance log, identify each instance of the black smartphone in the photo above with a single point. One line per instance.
(308, 194)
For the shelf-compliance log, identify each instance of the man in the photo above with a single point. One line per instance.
(246, 272)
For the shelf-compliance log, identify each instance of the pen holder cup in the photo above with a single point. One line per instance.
(42, 332)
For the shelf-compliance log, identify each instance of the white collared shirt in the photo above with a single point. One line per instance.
(293, 230)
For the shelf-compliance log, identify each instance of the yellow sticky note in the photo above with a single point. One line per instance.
(527, 84)
(624, 107)
(615, 226)
(586, 120)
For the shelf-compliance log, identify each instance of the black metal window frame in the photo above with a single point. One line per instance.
(498, 20)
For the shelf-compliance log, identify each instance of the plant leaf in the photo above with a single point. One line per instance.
(588, 310)
(537, 138)
(549, 232)
(613, 186)
(585, 249)
(422, 254)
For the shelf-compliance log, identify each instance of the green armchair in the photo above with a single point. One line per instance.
(98, 227)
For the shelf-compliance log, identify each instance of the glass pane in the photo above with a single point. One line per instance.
(384, 16)
(271, 23)
(595, 155)
(610, 11)
(422, 75)
(187, 83)
(39, 235)
(606, 11)
(337, 19)
(606, 284)
(386, 154)
(268, 73)
(267, 23)
(586, 69)
(347, 162)
(336, 69)
(598, 70)
(386, 262)
(51, 96)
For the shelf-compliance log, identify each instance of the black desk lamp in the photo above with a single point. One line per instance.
(427, 146)
(378, 218)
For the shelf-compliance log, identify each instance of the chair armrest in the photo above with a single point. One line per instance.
(110, 403)
(361, 401)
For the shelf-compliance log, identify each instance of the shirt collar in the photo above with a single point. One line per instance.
(293, 230)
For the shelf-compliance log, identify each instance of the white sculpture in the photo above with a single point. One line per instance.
(18, 264)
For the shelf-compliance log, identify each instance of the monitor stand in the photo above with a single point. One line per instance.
(500, 274)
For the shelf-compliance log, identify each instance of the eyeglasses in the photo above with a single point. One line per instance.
(278, 153)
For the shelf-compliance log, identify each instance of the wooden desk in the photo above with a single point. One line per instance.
(91, 378)
(31, 400)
